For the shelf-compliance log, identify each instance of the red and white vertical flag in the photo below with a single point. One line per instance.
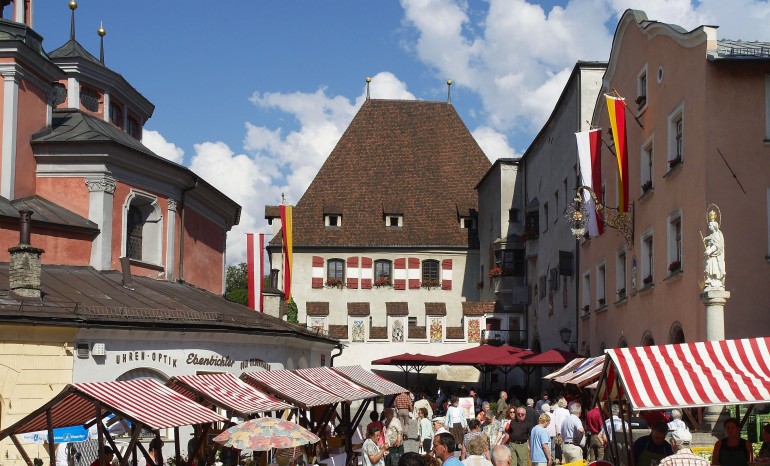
(255, 273)
(589, 155)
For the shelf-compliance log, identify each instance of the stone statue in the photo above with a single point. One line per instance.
(714, 255)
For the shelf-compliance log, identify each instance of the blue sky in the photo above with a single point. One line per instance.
(253, 95)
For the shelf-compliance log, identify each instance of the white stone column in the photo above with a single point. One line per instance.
(100, 206)
(714, 300)
(11, 78)
(171, 239)
(73, 93)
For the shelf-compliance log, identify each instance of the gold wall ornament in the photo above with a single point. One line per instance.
(577, 214)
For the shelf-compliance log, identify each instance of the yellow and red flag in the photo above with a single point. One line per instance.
(616, 107)
(287, 250)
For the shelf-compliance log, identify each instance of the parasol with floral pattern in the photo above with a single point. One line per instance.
(265, 433)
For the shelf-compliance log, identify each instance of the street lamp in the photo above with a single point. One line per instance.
(577, 215)
(565, 334)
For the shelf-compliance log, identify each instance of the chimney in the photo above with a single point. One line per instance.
(25, 270)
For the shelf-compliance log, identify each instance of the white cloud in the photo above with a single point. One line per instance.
(278, 161)
(493, 143)
(158, 144)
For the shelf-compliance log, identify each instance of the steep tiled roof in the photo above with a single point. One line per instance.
(339, 332)
(417, 332)
(378, 333)
(414, 157)
(454, 333)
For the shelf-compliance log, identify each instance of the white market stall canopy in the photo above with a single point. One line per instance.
(689, 374)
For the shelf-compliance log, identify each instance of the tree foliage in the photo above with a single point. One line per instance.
(236, 284)
(292, 312)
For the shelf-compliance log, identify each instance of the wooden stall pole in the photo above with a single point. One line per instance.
(131, 449)
(177, 451)
(159, 461)
(51, 444)
(112, 445)
(22, 452)
(100, 432)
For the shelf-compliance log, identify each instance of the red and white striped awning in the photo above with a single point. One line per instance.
(369, 380)
(335, 383)
(143, 401)
(288, 386)
(584, 374)
(692, 374)
(226, 391)
(570, 366)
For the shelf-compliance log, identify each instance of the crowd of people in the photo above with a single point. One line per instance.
(543, 433)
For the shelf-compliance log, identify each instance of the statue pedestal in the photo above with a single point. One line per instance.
(714, 300)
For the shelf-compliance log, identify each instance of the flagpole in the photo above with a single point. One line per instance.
(626, 107)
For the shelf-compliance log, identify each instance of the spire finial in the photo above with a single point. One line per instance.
(368, 80)
(449, 91)
(101, 32)
(73, 6)
(283, 199)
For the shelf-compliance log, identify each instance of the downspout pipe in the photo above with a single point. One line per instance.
(181, 232)
(340, 347)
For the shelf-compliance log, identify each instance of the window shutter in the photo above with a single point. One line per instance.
(317, 280)
(366, 273)
(413, 273)
(352, 273)
(399, 274)
(446, 274)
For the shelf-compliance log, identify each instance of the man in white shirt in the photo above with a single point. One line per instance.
(615, 424)
(573, 435)
(559, 414)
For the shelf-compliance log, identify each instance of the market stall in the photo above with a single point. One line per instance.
(144, 404)
(228, 393)
(687, 375)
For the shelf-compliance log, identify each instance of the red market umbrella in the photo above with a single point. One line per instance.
(554, 357)
(408, 361)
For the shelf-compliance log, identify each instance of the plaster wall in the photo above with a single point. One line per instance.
(204, 248)
(35, 364)
(32, 109)
(490, 218)
(61, 247)
(68, 192)
(550, 167)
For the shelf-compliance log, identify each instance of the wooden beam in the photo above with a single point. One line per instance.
(177, 452)
(22, 452)
(112, 445)
(51, 444)
(131, 444)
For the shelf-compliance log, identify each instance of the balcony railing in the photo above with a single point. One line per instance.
(516, 338)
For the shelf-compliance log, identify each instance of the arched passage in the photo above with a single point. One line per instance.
(676, 334)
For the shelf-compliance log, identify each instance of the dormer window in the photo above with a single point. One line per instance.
(395, 221)
(133, 128)
(116, 115)
(333, 220)
(467, 223)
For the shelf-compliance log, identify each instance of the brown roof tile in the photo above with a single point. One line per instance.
(317, 308)
(478, 308)
(435, 309)
(416, 332)
(378, 333)
(397, 308)
(340, 332)
(358, 309)
(455, 333)
(272, 211)
(421, 148)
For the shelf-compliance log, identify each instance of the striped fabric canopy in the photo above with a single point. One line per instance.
(335, 383)
(226, 391)
(569, 367)
(369, 380)
(584, 374)
(691, 374)
(143, 401)
(290, 387)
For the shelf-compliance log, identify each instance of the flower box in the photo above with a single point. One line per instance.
(495, 272)
(382, 281)
(647, 280)
(675, 266)
(674, 162)
(334, 283)
(621, 293)
(647, 186)
(586, 309)
(430, 284)
(602, 301)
